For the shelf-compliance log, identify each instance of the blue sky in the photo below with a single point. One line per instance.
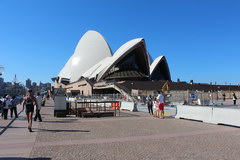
(200, 38)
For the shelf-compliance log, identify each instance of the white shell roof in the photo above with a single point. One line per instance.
(118, 55)
(93, 58)
(93, 71)
(155, 63)
(91, 49)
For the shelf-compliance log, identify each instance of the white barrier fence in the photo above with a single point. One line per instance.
(214, 115)
(129, 106)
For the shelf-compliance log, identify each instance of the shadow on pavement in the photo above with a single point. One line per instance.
(124, 114)
(9, 124)
(58, 130)
(12, 127)
(65, 121)
(166, 117)
(19, 158)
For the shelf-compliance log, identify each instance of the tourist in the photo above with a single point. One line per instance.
(155, 108)
(139, 99)
(6, 106)
(29, 102)
(43, 100)
(2, 103)
(149, 104)
(14, 102)
(224, 96)
(234, 99)
(160, 99)
(39, 102)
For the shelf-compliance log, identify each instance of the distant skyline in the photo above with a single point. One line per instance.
(200, 39)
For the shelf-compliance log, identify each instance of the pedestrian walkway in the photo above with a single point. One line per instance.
(133, 135)
(15, 139)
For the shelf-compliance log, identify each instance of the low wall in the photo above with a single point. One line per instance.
(60, 103)
(226, 116)
(130, 106)
(215, 115)
(195, 113)
(60, 107)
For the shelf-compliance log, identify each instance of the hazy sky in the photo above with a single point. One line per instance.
(200, 38)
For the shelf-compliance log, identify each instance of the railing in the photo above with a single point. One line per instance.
(184, 97)
(94, 108)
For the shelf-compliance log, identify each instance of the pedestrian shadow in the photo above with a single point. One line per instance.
(46, 114)
(60, 130)
(9, 124)
(169, 117)
(20, 158)
(11, 127)
(65, 121)
(124, 114)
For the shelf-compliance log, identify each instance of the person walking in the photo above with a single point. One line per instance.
(39, 102)
(6, 106)
(224, 97)
(234, 99)
(160, 99)
(2, 103)
(150, 104)
(28, 103)
(43, 100)
(14, 107)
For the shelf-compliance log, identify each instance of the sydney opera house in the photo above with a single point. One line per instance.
(93, 68)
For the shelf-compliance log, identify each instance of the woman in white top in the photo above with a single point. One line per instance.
(155, 108)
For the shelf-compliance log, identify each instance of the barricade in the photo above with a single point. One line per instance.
(116, 105)
(214, 115)
(94, 108)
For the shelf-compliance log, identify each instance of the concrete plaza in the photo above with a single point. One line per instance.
(133, 135)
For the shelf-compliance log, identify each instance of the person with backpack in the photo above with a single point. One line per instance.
(150, 104)
(39, 102)
(224, 97)
(6, 105)
(14, 102)
(29, 102)
(2, 103)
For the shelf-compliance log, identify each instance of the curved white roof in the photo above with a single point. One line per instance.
(93, 71)
(155, 63)
(119, 54)
(93, 58)
(91, 49)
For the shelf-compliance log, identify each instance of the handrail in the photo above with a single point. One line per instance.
(97, 108)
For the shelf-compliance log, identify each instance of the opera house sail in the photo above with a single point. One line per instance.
(93, 62)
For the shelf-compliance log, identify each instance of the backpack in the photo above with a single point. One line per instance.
(4, 104)
(149, 101)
